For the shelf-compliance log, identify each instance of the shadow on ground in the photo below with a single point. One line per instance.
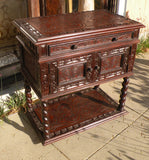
(26, 126)
(138, 89)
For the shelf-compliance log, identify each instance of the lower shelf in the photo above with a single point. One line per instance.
(74, 113)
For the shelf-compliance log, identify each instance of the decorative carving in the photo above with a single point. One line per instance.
(86, 21)
(53, 72)
(62, 110)
(44, 76)
(114, 59)
(30, 63)
(123, 94)
(29, 45)
(92, 68)
(131, 57)
(28, 97)
(55, 68)
(70, 73)
(31, 29)
(46, 120)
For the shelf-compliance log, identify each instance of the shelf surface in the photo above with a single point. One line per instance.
(74, 113)
(75, 109)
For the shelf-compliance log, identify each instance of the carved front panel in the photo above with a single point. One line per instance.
(67, 73)
(70, 73)
(114, 62)
(111, 63)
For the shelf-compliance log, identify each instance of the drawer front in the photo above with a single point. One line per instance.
(70, 73)
(86, 43)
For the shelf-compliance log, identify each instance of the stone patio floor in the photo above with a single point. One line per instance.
(125, 138)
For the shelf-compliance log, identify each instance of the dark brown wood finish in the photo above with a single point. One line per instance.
(28, 97)
(63, 56)
(123, 94)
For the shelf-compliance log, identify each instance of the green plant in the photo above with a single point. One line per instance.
(143, 45)
(15, 101)
(2, 113)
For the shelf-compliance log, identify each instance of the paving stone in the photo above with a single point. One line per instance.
(85, 143)
(18, 141)
(78, 147)
(132, 144)
(146, 114)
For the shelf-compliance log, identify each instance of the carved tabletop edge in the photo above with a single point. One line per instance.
(34, 31)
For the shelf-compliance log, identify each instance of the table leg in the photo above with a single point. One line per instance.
(28, 97)
(123, 94)
(46, 120)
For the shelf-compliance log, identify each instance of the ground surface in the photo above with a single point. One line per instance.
(126, 138)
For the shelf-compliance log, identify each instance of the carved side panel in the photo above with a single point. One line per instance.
(29, 45)
(30, 64)
(135, 34)
(53, 77)
(131, 57)
(44, 76)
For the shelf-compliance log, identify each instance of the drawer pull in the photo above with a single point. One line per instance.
(96, 68)
(89, 69)
(114, 39)
(73, 47)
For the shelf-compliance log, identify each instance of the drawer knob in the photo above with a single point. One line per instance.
(73, 47)
(96, 68)
(114, 39)
(88, 69)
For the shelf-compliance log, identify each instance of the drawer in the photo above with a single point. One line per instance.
(70, 73)
(88, 42)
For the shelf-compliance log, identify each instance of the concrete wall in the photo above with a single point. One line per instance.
(9, 10)
(139, 10)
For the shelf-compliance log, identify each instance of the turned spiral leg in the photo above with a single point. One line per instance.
(46, 120)
(123, 94)
(28, 97)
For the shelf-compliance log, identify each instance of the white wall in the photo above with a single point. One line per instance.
(139, 10)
